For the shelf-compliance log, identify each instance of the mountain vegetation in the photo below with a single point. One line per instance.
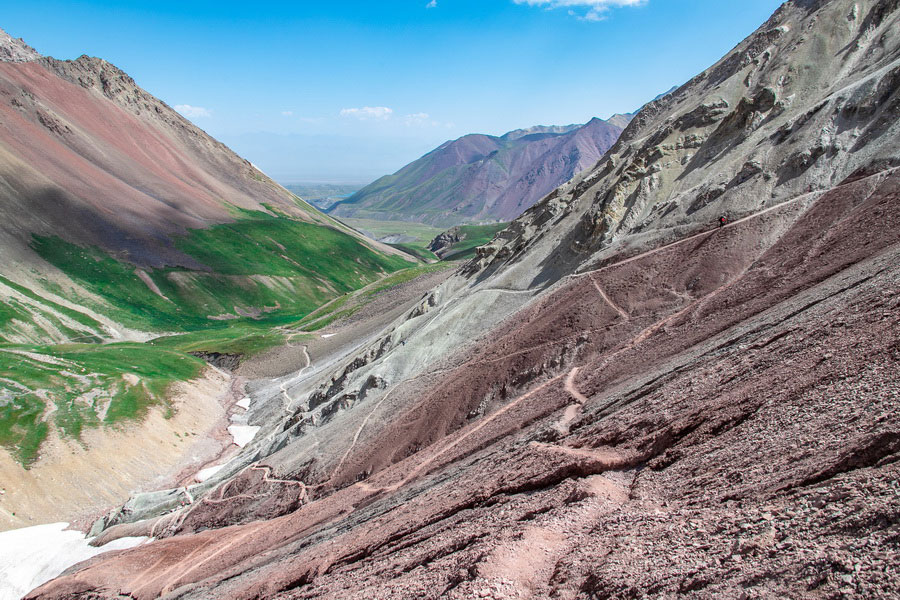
(125, 222)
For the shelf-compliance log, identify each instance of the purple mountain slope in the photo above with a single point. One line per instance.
(480, 178)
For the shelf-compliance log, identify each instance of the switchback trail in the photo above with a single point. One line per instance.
(708, 232)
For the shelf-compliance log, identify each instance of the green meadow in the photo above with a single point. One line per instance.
(257, 277)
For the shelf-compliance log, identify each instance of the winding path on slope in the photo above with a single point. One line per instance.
(456, 441)
(572, 411)
(710, 232)
(607, 299)
(570, 386)
(569, 383)
(283, 385)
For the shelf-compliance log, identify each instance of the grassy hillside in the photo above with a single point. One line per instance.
(73, 386)
(260, 266)
(414, 238)
(29, 316)
(255, 277)
(348, 304)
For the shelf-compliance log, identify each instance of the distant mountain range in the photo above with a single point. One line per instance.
(482, 178)
(323, 195)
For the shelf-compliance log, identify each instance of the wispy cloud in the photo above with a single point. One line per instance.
(287, 113)
(588, 10)
(368, 112)
(416, 119)
(193, 112)
(432, 4)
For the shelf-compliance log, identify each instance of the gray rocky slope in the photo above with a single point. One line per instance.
(796, 108)
(15, 50)
(613, 382)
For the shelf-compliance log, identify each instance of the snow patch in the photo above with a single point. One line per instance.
(242, 434)
(32, 556)
(243, 402)
(208, 472)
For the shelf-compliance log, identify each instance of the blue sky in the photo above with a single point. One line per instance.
(345, 91)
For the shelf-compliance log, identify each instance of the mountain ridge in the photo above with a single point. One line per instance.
(482, 178)
(15, 49)
(519, 133)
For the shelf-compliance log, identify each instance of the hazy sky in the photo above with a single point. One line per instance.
(346, 91)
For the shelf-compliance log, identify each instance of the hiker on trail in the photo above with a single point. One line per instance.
(723, 220)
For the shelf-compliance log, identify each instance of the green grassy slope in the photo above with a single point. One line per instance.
(348, 304)
(260, 266)
(259, 273)
(27, 316)
(74, 386)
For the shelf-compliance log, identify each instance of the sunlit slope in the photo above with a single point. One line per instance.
(94, 168)
(481, 178)
(121, 221)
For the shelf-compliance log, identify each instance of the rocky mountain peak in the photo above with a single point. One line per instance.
(768, 122)
(552, 129)
(15, 49)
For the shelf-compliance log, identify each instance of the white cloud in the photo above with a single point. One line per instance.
(416, 119)
(287, 113)
(193, 112)
(588, 10)
(432, 4)
(368, 112)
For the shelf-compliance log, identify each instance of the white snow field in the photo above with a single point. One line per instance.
(34, 555)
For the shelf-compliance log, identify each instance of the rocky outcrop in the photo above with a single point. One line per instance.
(226, 362)
(445, 240)
(15, 50)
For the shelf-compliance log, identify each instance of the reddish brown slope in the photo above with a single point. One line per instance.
(619, 409)
(88, 155)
